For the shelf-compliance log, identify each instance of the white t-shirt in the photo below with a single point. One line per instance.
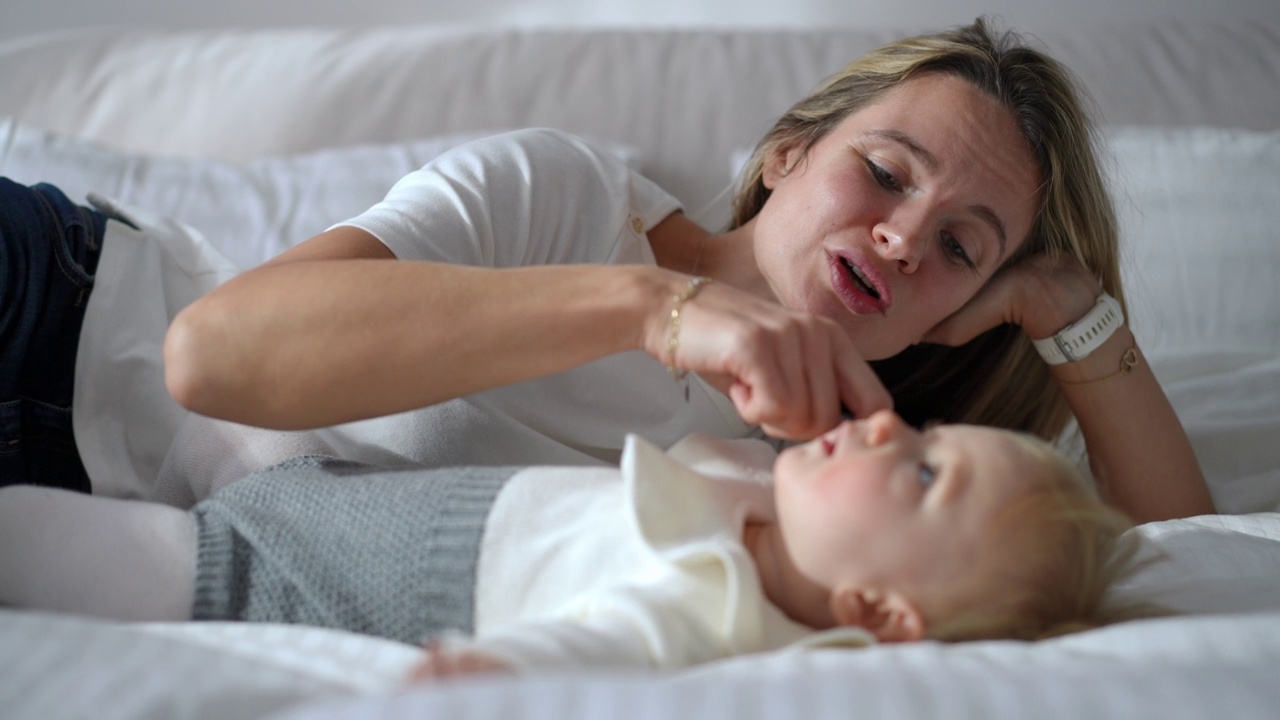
(539, 197)
(528, 197)
(640, 566)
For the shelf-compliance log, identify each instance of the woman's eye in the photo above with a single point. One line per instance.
(955, 250)
(927, 474)
(883, 177)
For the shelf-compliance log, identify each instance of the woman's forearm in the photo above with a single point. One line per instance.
(309, 343)
(1138, 449)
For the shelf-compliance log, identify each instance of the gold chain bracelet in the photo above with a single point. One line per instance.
(1128, 362)
(673, 334)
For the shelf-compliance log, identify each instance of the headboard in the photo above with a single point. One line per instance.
(686, 99)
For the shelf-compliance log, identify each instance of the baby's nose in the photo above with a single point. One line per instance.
(883, 426)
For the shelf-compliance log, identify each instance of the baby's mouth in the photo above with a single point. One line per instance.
(860, 280)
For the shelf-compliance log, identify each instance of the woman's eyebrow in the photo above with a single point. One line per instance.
(989, 216)
(926, 158)
(930, 161)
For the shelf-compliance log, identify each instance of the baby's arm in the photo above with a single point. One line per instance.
(441, 663)
(550, 645)
(637, 628)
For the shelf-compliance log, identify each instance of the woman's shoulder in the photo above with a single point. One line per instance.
(556, 168)
(529, 196)
(538, 165)
(551, 145)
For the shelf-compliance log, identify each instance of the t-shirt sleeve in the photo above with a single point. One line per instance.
(529, 197)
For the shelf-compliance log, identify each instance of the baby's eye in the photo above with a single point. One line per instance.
(927, 474)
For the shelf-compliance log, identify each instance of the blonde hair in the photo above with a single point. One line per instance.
(998, 378)
(1058, 551)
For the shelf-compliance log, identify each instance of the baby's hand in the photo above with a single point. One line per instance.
(441, 662)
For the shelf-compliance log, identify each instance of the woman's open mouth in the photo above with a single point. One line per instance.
(860, 278)
(857, 286)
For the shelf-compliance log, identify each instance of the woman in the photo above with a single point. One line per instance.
(935, 189)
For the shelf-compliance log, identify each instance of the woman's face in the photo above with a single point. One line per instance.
(899, 215)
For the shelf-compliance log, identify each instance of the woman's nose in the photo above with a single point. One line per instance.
(900, 241)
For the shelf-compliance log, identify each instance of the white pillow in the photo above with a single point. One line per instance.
(1209, 565)
(249, 212)
(1200, 228)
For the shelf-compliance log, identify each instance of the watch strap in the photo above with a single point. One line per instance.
(1074, 342)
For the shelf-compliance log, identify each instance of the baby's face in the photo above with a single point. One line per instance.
(881, 505)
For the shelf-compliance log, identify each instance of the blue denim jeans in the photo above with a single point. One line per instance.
(49, 249)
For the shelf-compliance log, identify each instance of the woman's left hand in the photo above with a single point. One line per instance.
(1042, 294)
(442, 662)
(1138, 450)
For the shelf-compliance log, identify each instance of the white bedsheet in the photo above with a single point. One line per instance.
(1220, 660)
(1155, 669)
(1194, 667)
(60, 666)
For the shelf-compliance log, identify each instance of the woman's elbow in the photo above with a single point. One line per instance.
(194, 361)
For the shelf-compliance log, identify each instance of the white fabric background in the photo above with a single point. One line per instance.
(25, 16)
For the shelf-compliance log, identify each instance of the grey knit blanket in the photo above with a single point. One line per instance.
(325, 542)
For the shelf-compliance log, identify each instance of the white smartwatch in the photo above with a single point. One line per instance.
(1077, 340)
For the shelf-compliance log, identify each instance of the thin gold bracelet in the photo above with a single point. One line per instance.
(673, 333)
(1128, 362)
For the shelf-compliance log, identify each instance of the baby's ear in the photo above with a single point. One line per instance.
(889, 616)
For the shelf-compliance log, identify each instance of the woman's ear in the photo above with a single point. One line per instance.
(889, 616)
(779, 162)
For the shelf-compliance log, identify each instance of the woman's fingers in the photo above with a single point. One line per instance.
(774, 368)
(861, 391)
(790, 373)
(790, 406)
(835, 381)
(822, 384)
(989, 308)
(1042, 294)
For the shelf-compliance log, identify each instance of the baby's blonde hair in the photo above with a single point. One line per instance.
(1059, 549)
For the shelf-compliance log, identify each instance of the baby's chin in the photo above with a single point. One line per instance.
(789, 455)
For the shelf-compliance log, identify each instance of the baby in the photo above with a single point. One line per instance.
(872, 532)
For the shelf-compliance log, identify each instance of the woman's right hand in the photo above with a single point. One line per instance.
(335, 331)
(791, 373)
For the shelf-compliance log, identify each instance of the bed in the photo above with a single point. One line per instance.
(249, 141)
